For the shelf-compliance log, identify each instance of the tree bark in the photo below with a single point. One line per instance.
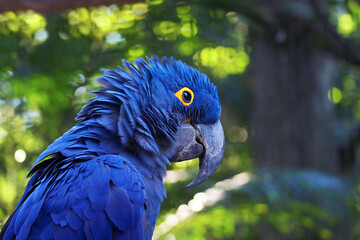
(291, 116)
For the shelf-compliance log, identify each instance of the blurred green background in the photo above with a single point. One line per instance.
(288, 79)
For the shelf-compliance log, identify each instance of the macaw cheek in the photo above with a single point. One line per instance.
(213, 140)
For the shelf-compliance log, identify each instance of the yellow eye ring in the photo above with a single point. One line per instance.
(185, 95)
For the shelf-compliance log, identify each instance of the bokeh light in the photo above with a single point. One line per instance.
(20, 155)
(346, 24)
(335, 95)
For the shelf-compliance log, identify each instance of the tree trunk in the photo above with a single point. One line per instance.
(291, 118)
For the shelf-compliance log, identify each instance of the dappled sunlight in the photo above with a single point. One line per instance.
(222, 60)
(201, 201)
(104, 21)
(243, 206)
(28, 25)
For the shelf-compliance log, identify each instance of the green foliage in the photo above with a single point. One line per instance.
(275, 204)
(217, 223)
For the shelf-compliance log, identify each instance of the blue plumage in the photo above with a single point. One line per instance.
(103, 178)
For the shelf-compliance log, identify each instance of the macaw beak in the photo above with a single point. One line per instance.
(203, 141)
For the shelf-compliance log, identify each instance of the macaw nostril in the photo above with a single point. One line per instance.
(198, 137)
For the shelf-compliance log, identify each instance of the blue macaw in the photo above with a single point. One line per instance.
(103, 179)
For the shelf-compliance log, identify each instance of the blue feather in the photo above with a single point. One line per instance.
(75, 222)
(65, 233)
(124, 218)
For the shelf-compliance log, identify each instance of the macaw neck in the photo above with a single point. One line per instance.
(155, 193)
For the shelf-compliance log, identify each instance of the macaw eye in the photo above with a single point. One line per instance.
(185, 95)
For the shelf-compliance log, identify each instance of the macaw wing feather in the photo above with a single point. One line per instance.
(105, 200)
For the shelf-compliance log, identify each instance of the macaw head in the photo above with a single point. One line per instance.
(166, 109)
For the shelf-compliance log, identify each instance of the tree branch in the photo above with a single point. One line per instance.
(265, 14)
(341, 46)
